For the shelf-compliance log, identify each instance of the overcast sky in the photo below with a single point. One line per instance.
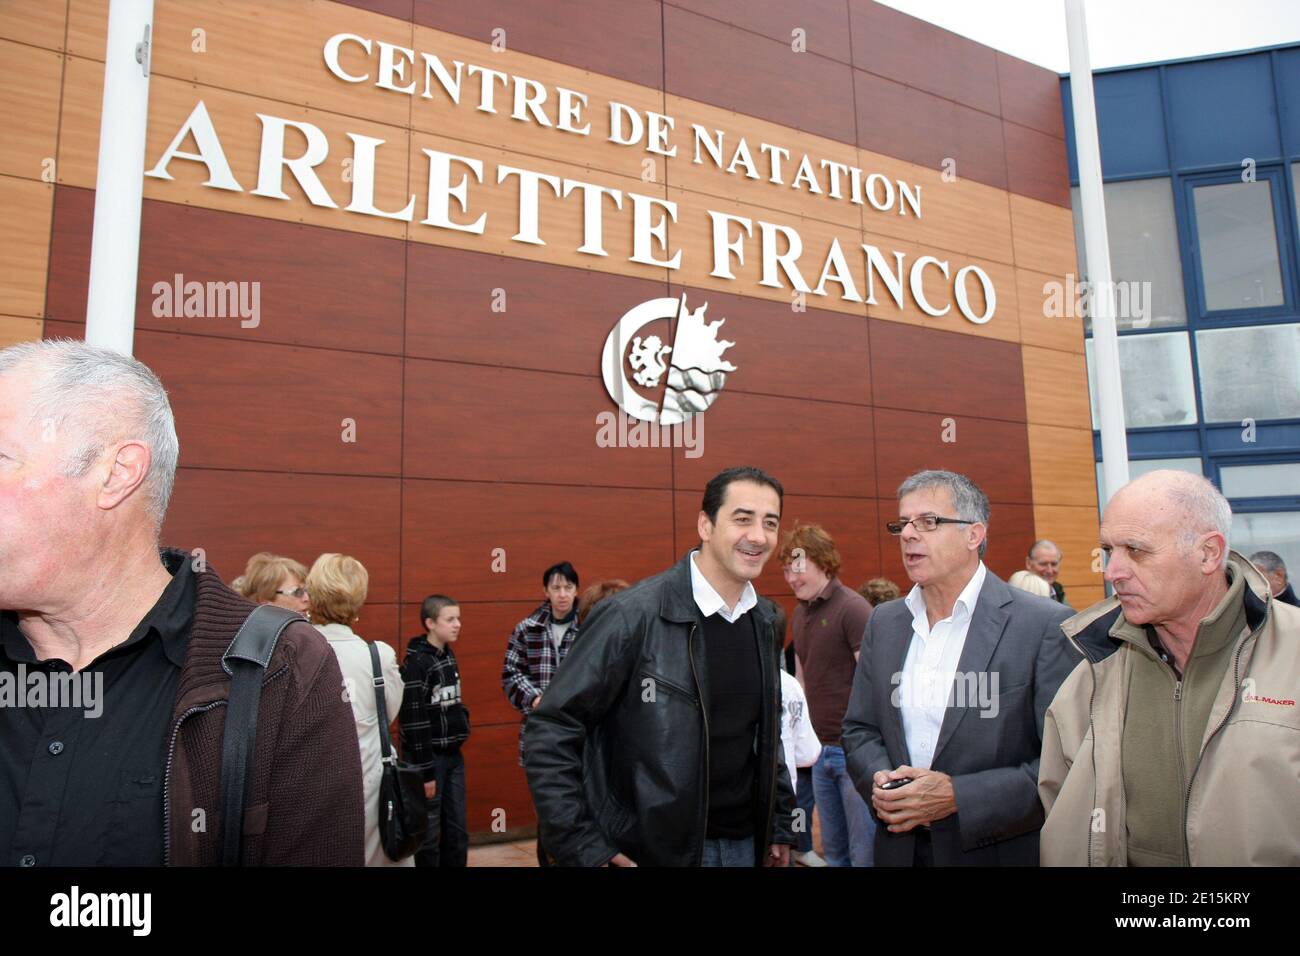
(1120, 32)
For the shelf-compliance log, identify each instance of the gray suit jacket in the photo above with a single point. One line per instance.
(991, 752)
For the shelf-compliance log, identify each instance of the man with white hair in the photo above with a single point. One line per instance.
(1176, 742)
(88, 455)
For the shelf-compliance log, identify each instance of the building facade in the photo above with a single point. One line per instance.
(1201, 162)
(402, 263)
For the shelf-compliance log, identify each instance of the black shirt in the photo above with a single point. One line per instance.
(735, 680)
(82, 764)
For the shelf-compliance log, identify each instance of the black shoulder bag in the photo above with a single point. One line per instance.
(245, 660)
(403, 817)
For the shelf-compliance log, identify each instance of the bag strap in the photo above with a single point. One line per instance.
(381, 704)
(245, 660)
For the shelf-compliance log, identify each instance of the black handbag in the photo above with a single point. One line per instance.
(403, 818)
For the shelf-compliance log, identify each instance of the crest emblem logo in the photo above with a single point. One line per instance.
(696, 370)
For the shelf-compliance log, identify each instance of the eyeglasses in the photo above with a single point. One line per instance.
(923, 523)
(299, 593)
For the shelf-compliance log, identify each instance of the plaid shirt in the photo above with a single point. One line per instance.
(433, 720)
(531, 660)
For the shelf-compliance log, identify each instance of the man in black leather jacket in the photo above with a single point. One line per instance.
(658, 742)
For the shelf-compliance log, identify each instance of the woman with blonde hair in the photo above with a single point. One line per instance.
(273, 579)
(1028, 581)
(337, 586)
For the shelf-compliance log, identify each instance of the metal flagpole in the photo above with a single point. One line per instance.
(119, 180)
(1110, 395)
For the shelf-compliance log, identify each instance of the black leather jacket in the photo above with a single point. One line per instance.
(617, 752)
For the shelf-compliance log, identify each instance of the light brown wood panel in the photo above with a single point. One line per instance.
(270, 50)
(29, 103)
(234, 117)
(1083, 596)
(15, 329)
(1064, 331)
(705, 177)
(1056, 387)
(560, 220)
(940, 292)
(1075, 532)
(40, 24)
(27, 209)
(1062, 466)
(1043, 235)
(694, 234)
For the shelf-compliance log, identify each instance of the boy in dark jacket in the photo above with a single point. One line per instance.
(434, 723)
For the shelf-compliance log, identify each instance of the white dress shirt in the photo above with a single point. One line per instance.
(930, 666)
(710, 601)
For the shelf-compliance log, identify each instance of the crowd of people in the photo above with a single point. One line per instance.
(673, 721)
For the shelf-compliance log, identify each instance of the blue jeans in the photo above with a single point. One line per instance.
(848, 831)
(447, 841)
(724, 852)
(804, 800)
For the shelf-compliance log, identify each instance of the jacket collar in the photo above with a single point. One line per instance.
(678, 601)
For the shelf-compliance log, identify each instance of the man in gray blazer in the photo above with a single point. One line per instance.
(944, 727)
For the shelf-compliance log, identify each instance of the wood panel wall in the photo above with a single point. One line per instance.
(475, 428)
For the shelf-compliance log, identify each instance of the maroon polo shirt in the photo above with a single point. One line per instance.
(827, 631)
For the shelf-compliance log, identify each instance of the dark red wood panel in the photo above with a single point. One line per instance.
(248, 405)
(812, 448)
(922, 55)
(451, 528)
(472, 422)
(993, 454)
(738, 70)
(620, 38)
(1031, 95)
(1036, 164)
(911, 124)
(401, 9)
(233, 515)
(320, 287)
(825, 23)
(1011, 532)
(495, 787)
(378, 622)
(945, 372)
(555, 318)
(812, 354)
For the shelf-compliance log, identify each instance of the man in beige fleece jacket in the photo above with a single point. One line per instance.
(1176, 741)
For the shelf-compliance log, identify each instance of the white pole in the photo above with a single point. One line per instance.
(1110, 395)
(119, 182)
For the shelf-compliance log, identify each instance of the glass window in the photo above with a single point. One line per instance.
(1277, 531)
(1156, 375)
(1239, 264)
(1144, 261)
(1136, 468)
(1249, 373)
(1260, 481)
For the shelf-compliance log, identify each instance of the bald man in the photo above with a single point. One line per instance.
(1176, 742)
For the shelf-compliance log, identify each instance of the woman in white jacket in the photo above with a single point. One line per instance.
(336, 587)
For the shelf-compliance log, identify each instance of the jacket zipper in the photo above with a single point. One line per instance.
(1178, 750)
(704, 712)
(1236, 696)
(167, 777)
(171, 752)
